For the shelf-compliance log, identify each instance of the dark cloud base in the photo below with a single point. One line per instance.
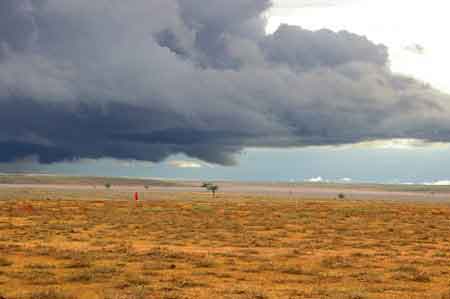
(147, 79)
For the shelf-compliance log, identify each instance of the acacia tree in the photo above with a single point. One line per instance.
(211, 188)
(205, 185)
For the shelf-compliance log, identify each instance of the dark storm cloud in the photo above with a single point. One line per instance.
(17, 24)
(149, 78)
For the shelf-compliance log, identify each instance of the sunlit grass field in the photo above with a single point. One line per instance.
(101, 244)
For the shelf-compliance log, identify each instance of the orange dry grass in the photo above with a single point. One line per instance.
(190, 246)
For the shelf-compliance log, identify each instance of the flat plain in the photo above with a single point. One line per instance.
(97, 242)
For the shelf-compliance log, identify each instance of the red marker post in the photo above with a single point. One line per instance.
(136, 196)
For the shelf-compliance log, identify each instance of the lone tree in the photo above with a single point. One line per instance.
(211, 188)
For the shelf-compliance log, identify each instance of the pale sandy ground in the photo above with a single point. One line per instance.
(276, 190)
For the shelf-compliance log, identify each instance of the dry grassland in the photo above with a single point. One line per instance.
(58, 245)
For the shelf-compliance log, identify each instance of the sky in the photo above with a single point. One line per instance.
(350, 90)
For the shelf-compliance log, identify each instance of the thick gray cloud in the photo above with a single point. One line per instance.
(17, 24)
(294, 46)
(145, 79)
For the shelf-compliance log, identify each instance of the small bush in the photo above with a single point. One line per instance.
(49, 294)
(78, 264)
(4, 262)
(421, 277)
(335, 262)
(292, 270)
(105, 270)
(204, 263)
(136, 280)
(83, 277)
(446, 295)
(39, 266)
(356, 295)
